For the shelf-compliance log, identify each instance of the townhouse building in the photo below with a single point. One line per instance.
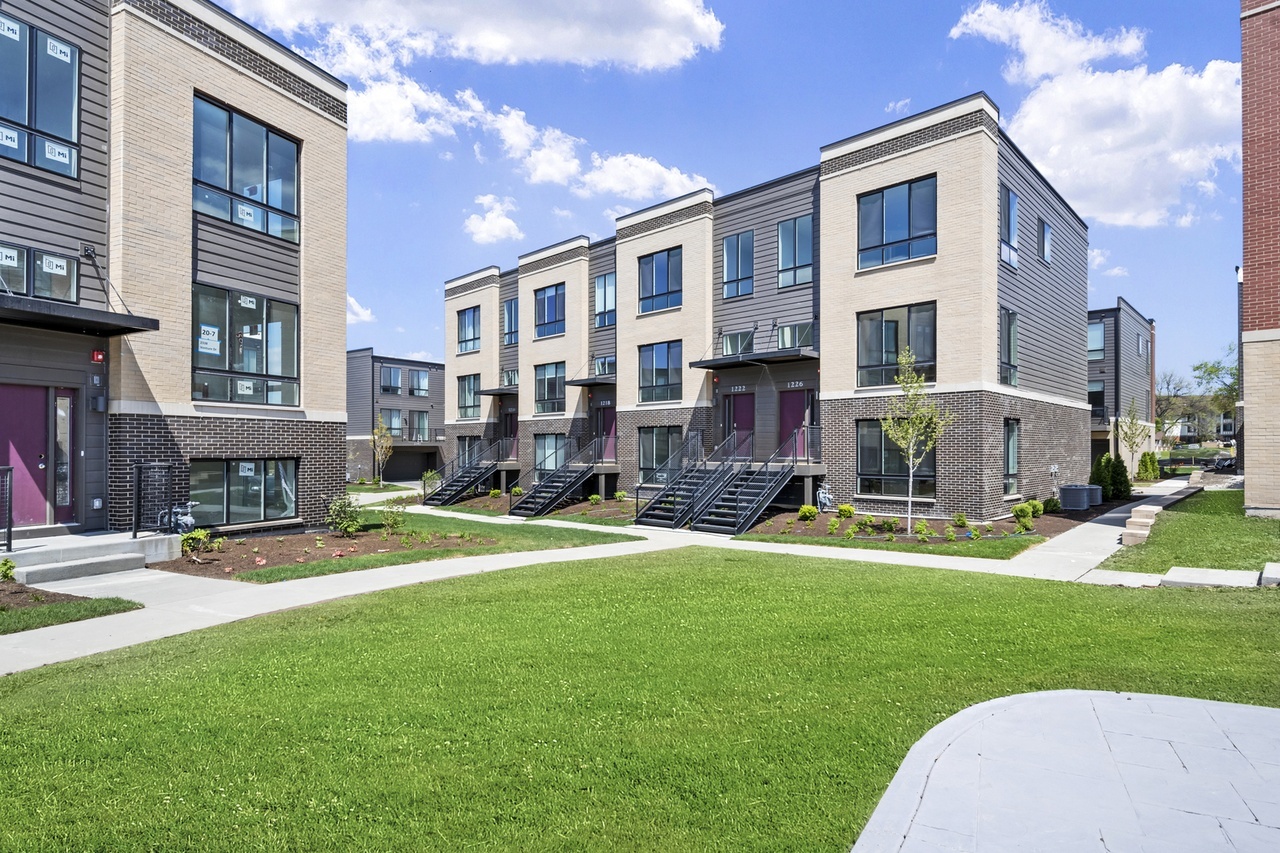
(408, 396)
(749, 342)
(1122, 373)
(175, 227)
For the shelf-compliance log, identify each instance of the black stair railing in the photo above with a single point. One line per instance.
(762, 486)
(685, 492)
(6, 506)
(671, 469)
(153, 498)
(463, 470)
(555, 486)
(738, 450)
(528, 480)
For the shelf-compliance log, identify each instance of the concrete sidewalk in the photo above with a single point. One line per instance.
(1084, 771)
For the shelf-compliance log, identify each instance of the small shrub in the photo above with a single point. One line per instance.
(619, 495)
(833, 527)
(1052, 505)
(768, 522)
(808, 512)
(869, 522)
(890, 525)
(195, 542)
(975, 534)
(1121, 487)
(377, 481)
(845, 510)
(392, 520)
(1037, 508)
(595, 500)
(923, 528)
(517, 492)
(950, 533)
(495, 493)
(851, 532)
(1022, 510)
(255, 550)
(7, 567)
(990, 528)
(406, 542)
(809, 524)
(1100, 475)
(959, 520)
(889, 537)
(343, 516)
(791, 522)
(362, 481)
(923, 538)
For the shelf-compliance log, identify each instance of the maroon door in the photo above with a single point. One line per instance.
(608, 430)
(793, 413)
(24, 444)
(511, 430)
(742, 413)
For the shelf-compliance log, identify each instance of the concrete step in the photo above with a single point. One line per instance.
(69, 569)
(1182, 576)
(1149, 511)
(1139, 524)
(65, 549)
(1133, 537)
(1270, 575)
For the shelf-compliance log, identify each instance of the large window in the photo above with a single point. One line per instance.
(882, 470)
(1011, 457)
(39, 98)
(795, 336)
(240, 491)
(735, 343)
(898, 223)
(883, 334)
(661, 280)
(548, 311)
(1008, 226)
(469, 396)
(739, 264)
(550, 452)
(245, 348)
(795, 251)
(469, 329)
(244, 172)
(510, 322)
(1096, 336)
(393, 420)
(656, 446)
(390, 380)
(606, 300)
(1008, 346)
(660, 372)
(419, 429)
(419, 383)
(548, 388)
(469, 447)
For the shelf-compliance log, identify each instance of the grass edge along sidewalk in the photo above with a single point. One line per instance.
(688, 700)
(61, 613)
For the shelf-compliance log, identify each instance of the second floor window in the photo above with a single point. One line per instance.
(469, 396)
(548, 311)
(661, 280)
(548, 388)
(739, 264)
(883, 334)
(39, 98)
(245, 348)
(898, 223)
(390, 380)
(244, 172)
(52, 276)
(606, 365)
(1008, 347)
(795, 336)
(419, 429)
(661, 367)
(510, 322)
(734, 343)
(419, 383)
(393, 420)
(606, 300)
(795, 251)
(1096, 335)
(1008, 226)
(510, 378)
(469, 329)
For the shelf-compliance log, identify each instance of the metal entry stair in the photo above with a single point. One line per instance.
(555, 488)
(741, 500)
(464, 473)
(698, 483)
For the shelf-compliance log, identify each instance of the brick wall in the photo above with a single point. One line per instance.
(630, 422)
(317, 445)
(1260, 54)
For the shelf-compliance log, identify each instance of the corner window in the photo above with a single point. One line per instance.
(39, 99)
(393, 420)
(657, 445)
(550, 452)
(469, 396)
(1096, 334)
(419, 383)
(739, 264)
(606, 365)
(548, 311)
(661, 368)
(883, 334)
(241, 491)
(469, 329)
(390, 380)
(795, 336)
(1046, 242)
(243, 172)
(245, 348)
(548, 388)
(510, 322)
(795, 251)
(883, 472)
(661, 280)
(738, 342)
(1008, 347)
(1011, 428)
(606, 300)
(1008, 226)
(898, 223)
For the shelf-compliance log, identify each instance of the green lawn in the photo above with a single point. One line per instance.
(29, 618)
(473, 510)
(370, 489)
(510, 537)
(1206, 531)
(992, 548)
(702, 699)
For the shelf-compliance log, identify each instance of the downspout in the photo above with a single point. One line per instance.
(1115, 433)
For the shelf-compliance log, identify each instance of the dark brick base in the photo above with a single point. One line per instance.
(319, 447)
(970, 456)
(629, 423)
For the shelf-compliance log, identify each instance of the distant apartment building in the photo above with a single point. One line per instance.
(773, 317)
(408, 396)
(1122, 375)
(173, 259)
(1260, 277)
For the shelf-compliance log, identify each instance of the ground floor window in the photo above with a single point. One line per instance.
(657, 444)
(549, 454)
(882, 469)
(1011, 428)
(468, 449)
(237, 491)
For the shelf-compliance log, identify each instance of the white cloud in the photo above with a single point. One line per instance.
(562, 213)
(398, 109)
(898, 107)
(612, 213)
(399, 330)
(639, 34)
(636, 177)
(1121, 145)
(1117, 272)
(419, 355)
(1098, 258)
(495, 225)
(357, 313)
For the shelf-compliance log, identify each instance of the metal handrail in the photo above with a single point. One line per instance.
(166, 508)
(6, 492)
(812, 442)
(492, 453)
(691, 449)
(769, 469)
(526, 477)
(727, 451)
(589, 455)
(726, 470)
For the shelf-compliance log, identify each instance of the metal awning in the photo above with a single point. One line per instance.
(63, 317)
(505, 391)
(744, 359)
(592, 381)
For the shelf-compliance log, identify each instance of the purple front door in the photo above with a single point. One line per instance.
(608, 430)
(742, 413)
(24, 444)
(793, 413)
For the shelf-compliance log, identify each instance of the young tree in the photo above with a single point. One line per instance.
(1132, 432)
(1172, 395)
(380, 441)
(914, 422)
(1219, 380)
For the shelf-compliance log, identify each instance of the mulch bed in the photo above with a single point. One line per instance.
(260, 552)
(498, 504)
(607, 509)
(14, 595)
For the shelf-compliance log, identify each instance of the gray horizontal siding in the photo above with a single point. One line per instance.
(603, 260)
(359, 392)
(508, 356)
(766, 382)
(233, 257)
(1104, 369)
(1134, 378)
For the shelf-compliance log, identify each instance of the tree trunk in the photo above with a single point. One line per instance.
(911, 476)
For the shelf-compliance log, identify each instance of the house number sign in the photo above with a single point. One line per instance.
(737, 389)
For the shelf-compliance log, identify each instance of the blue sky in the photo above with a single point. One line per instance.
(484, 129)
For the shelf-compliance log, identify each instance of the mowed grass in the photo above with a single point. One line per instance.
(370, 489)
(992, 548)
(1208, 530)
(508, 538)
(700, 699)
(61, 612)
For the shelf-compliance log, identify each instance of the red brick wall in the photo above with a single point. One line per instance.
(1260, 51)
